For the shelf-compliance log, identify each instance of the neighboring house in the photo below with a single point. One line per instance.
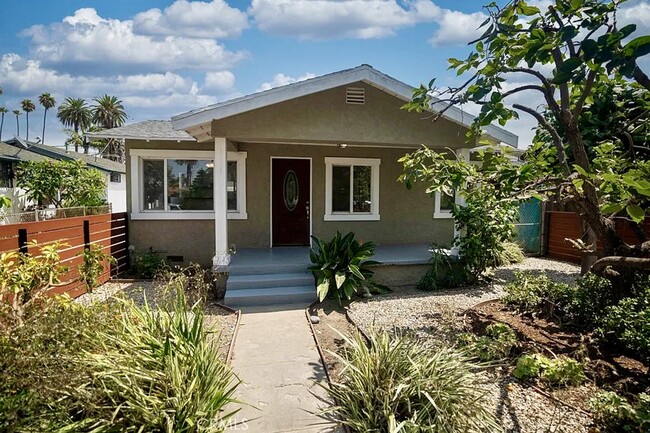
(272, 168)
(15, 150)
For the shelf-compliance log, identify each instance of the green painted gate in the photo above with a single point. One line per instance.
(529, 227)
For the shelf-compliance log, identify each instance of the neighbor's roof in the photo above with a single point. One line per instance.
(60, 153)
(147, 130)
(17, 154)
(365, 73)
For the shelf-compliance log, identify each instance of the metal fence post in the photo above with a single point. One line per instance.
(86, 234)
(22, 241)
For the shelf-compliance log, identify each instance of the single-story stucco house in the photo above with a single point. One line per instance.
(16, 150)
(270, 169)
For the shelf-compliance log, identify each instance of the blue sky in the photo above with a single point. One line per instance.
(166, 57)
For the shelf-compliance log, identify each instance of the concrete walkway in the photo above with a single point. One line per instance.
(276, 358)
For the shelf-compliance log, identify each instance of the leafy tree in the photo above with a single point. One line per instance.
(28, 106)
(17, 113)
(47, 101)
(4, 201)
(62, 183)
(76, 114)
(581, 44)
(3, 111)
(108, 112)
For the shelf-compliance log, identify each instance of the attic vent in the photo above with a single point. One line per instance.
(355, 95)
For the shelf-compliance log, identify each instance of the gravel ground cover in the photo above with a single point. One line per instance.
(436, 317)
(217, 319)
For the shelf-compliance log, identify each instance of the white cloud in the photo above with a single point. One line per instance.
(89, 43)
(283, 80)
(324, 19)
(638, 14)
(221, 81)
(457, 28)
(215, 19)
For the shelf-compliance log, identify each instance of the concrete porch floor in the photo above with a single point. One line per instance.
(398, 254)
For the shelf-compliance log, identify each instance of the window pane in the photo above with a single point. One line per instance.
(190, 184)
(446, 201)
(340, 189)
(153, 179)
(361, 200)
(231, 185)
(6, 174)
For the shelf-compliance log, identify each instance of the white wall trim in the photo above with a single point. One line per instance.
(175, 154)
(374, 163)
(240, 159)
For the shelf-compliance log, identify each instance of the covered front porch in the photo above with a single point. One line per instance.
(261, 276)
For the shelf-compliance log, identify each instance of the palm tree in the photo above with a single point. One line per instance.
(75, 113)
(28, 107)
(109, 113)
(3, 111)
(17, 113)
(47, 101)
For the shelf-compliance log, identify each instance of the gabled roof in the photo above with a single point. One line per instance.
(202, 117)
(147, 130)
(59, 153)
(17, 154)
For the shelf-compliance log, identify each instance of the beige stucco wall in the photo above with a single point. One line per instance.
(406, 216)
(325, 117)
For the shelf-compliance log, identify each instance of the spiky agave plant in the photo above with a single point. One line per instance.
(398, 384)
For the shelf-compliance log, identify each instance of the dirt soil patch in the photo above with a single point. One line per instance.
(605, 367)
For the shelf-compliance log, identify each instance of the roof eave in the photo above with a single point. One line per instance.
(142, 138)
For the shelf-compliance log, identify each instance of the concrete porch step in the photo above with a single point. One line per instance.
(268, 268)
(269, 295)
(258, 281)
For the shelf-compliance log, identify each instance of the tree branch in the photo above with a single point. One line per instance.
(591, 78)
(641, 77)
(565, 98)
(557, 140)
(522, 88)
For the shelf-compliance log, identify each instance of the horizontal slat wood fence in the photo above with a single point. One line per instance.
(74, 234)
(563, 225)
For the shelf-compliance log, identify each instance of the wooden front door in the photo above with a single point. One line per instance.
(290, 192)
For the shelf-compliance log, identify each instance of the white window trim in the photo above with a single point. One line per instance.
(137, 156)
(440, 213)
(373, 215)
(240, 159)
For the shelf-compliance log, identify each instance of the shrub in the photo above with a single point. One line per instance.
(627, 324)
(24, 281)
(194, 281)
(615, 413)
(341, 267)
(510, 252)
(399, 381)
(580, 305)
(497, 343)
(148, 263)
(446, 272)
(92, 266)
(557, 371)
(113, 367)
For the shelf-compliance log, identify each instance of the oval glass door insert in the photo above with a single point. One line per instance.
(290, 190)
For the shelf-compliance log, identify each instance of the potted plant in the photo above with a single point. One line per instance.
(220, 275)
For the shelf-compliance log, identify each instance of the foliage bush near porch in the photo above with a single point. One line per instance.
(110, 367)
(397, 384)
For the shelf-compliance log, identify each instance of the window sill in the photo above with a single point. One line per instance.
(237, 216)
(442, 215)
(351, 217)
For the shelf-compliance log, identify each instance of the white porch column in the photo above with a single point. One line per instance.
(221, 256)
(463, 154)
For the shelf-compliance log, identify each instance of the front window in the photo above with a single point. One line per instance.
(352, 189)
(443, 205)
(180, 184)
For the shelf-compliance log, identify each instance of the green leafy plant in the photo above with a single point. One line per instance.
(627, 324)
(497, 343)
(557, 371)
(148, 263)
(617, 414)
(341, 267)
(25, 279)
(400, 383)
(5, 202)
(510, 252)
(92, 266)
(193, 280)
(446, 271)
(62, 183)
